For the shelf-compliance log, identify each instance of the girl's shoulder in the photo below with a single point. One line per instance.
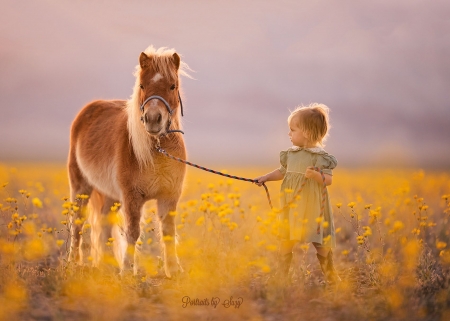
(319, 152)
(312, 150)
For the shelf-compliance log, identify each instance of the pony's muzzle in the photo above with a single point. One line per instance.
(153, 121)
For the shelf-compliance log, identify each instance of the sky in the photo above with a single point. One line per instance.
(382, 67)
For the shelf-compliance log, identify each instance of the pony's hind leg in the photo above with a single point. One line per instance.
(101, 227)
(78, 186)
(168, 237)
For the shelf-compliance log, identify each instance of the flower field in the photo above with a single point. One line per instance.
(393, 252)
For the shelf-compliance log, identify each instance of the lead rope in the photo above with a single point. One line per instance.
(159, 149)
(324, 190)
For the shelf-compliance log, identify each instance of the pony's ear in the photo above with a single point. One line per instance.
(144, 60)
(176, 60)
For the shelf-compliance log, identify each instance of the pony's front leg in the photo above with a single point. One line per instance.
(132, 212)
(168, 237)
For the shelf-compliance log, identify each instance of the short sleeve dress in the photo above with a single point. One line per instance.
(299, 217)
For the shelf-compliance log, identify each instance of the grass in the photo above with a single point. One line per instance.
(392, 253)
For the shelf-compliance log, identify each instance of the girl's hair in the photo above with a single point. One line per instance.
(313, 120)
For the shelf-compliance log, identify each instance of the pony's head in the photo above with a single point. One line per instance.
(159, 89)
(154, 106)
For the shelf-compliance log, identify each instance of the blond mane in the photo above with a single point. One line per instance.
(142, 143)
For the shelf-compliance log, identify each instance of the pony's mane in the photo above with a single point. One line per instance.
(142, 143)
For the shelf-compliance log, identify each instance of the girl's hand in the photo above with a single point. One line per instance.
(311, 172)
(260, 180)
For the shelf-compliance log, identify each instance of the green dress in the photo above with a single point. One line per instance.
(299, 217)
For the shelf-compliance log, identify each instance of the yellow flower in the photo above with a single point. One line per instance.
(246, 238)
(345, 252)
(167, 238)
(173, 213)
(374, 214)
(37, 202)
(339, 205)
(288, 190)
(398, 225)
(192, 203)
(368, 206)
(232, 226)
(200, 220)
(360, 239)
(67, 205)
(441, 245)
(351, 204)
(367, 231)
(265, 269)
(261, 243)
(59, 242)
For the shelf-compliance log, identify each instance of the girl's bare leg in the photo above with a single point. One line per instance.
(321, 250)
(285, 258)
(325, 257)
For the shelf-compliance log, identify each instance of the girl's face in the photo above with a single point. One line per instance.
(297, 137)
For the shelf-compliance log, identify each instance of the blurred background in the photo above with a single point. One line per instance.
(382, 67)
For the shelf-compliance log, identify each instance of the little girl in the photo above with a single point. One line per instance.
(302, 218)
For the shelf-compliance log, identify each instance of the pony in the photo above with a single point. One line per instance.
(113, 159)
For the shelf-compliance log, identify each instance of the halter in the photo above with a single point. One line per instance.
(169, 110)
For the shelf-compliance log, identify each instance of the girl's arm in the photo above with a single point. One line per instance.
(311, 173)
(275, 175)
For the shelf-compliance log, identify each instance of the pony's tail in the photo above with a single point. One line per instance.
(95, 205)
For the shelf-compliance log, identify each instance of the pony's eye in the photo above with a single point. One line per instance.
(172, 87)
(142, 87)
